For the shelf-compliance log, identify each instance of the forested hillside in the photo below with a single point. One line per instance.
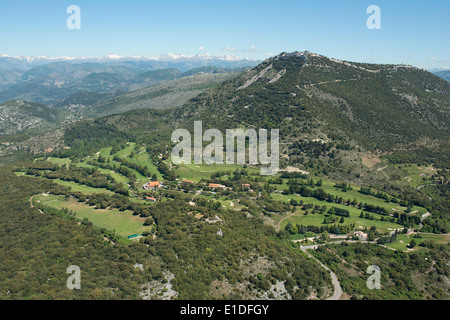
(364, 158)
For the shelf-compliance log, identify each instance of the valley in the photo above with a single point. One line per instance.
(363, 178)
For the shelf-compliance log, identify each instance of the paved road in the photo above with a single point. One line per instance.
(337, 286)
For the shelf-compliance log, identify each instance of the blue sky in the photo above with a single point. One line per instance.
(412, 32)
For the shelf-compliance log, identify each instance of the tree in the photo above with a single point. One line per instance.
(149, 221)
(294, 230)
(288, 227)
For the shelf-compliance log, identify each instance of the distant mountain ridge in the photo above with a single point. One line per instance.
(444, 74)
(166, 88)
(27, 62)
(48, 80)
(176, 90)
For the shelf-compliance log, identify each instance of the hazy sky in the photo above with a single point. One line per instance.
(412, 32)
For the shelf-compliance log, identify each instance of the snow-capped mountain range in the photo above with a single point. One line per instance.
(43, 79)
(170, 57)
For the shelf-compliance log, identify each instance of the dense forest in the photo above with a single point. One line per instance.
(404, 276)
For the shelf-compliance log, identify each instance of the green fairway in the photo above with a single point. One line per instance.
(80, 187)
(196, 172)
(60, 161)
(123, 223)
(417, 175)
(328, 187)
(125, 153)
(144, 159)
(106, 152)
(404, 240)
(317, 219)
(117, 176)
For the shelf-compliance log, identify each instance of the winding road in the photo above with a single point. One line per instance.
(337, 286)
(32, 205)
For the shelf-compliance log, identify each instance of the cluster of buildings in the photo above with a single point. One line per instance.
(153, 185)
(216, 186)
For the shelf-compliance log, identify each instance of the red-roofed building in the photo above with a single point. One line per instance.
(152, 185)
(215, 185)
(151, 199)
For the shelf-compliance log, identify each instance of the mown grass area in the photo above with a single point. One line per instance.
(60, 161)
(141, 158)
(144, 159)
(123, 223)
(404, 240)
(417, 175)
(196, 172)
(317, 219)
(125, 152)
(117, 176)
(328, 187)
(74, 186)
(81, 187)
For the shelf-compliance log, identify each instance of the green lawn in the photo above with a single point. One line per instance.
(328, 187)
(125, 153)
(124, 223)
(141, 158)
(417, 175)
(144, 159)
(80, 187)
(196, 172)
(106, 152)
(403, 240)
(60, 161)
(317, 219)
(117, 176)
